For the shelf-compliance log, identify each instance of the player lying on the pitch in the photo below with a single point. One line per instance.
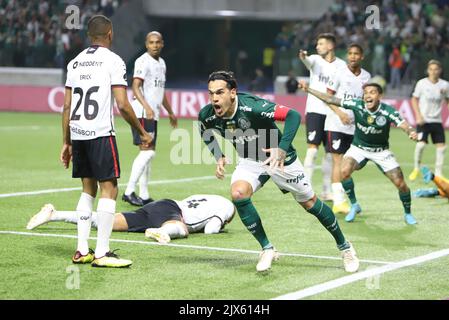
(373, 119)
(441, 182)
(161, 220)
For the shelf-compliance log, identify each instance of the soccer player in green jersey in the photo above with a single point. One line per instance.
(372, 119)
(264, 152)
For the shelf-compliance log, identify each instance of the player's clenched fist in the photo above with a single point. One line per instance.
(303, 85)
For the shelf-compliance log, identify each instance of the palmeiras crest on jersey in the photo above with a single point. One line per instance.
(244, 124)
(381, 121)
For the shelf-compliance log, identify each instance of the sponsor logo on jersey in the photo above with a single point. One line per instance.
(210, 118)
(243, 139)
(268, 115)
(368, 130)
(381, 120)
(90, 64)
(323, 78)
(82, 132)
(245, 108)
(350, 103)
(297, 179)
(244, 123)
(75, 64)
(311, 135)
(336, 144)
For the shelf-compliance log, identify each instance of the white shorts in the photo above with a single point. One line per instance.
(292, 179)
(384, 159)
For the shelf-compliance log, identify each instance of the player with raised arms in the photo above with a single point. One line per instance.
(373, 119)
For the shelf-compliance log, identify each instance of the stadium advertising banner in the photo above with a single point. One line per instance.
(185, 103)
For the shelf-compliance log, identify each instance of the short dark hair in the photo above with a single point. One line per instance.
(373, 84)
(436, 62)
(98, 26)
(227, 76)
(328, 36)
(356, 45)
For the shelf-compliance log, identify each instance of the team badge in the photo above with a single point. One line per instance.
(311, 135)
(336, 144)
(244, 123)
(370, 120)
(381, 120)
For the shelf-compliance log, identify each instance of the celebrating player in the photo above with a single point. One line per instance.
(322, 67)
(89, 137)
(427, 98)
(373, 119)
(264, 152)
(347, 83)
(148, 88)
(161, 220)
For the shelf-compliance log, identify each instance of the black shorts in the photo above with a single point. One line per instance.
(315, 128)
(338, 142)
(150, 126)
(435, 130)
(96, 158)
(153, 215)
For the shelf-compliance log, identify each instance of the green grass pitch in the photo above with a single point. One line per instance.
(39, 267)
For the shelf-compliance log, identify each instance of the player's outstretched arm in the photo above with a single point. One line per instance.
(327, 98)
(302, 55)
(408, 129)
(128, 114)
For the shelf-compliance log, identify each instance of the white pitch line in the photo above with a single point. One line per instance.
(181, 246)
(329, 285)
(31, 193)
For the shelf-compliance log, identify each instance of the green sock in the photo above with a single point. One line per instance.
(328, 220)
(250, 218)
(348, 185)
(406, 201)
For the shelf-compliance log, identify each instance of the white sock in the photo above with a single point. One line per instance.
(174, 230)
(326, 168)
(439, 161)
(72, 217)
(66, 216)
(137, 169)
(419, 148)
(309, 162)
(84, 213)
(105, 222)
(338, 193)
(143, 181)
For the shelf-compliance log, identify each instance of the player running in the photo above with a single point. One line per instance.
(427, 98)
(373, 119)
(161, 220)
(264, 152)
(322, 67)
(149, 90)
(347, 83)
(89, 137)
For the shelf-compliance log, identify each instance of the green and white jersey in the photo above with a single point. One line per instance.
(372, 129)
(251, 127)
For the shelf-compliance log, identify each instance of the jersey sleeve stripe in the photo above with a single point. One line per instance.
(139, 78)
(119, 85)
(68, 87)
